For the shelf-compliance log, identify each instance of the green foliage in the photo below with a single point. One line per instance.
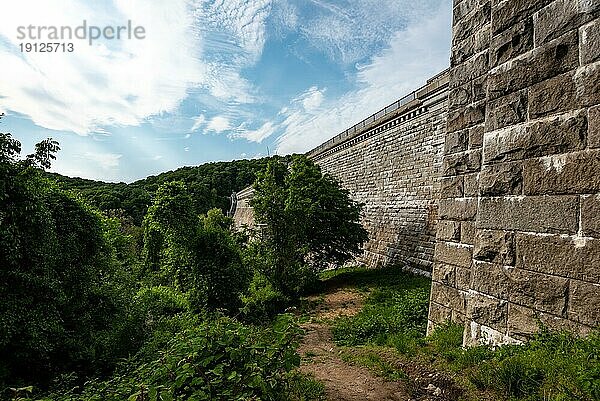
(210, 186)
(395, 312)
(196, 254)
(220, 359)
(60, 285)
(310, 222)
(263, 301)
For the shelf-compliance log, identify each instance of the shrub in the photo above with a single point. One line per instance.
(263, 301)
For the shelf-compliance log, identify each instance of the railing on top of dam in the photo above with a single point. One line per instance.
(416, 94)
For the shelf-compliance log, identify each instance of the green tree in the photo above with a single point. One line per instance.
(196, 254)
(309, 221)
(56, 272)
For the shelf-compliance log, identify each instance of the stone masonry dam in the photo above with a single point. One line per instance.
(488, 177)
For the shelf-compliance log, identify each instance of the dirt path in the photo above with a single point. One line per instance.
(343, 382)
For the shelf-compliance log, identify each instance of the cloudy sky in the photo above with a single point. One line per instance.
(211, 80)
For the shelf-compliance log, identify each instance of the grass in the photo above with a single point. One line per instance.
(552, 366)
(372, 359)
(304, 387)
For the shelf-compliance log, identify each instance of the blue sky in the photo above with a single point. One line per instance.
(211, 80)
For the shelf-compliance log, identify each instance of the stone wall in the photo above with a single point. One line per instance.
(519, 231)
(241, 211)
(391, 162)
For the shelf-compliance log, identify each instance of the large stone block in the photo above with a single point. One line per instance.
(551, 59)
(524, 322)
(495, 247)
(563, 256)
(491, 279)
(476, 136)
(543, 214)
(448, 230)
(507, 13)
(439, 314)
(449, 297)
(501, 179)
(467, 26)
(583, 303)
(560, 134)
(470, 184)
(571, 173)
(594, 127)
(589, 42)
(486, 310)
(514, 41)
(451, 187)
(465, 48)
(561, 16)
(457, 141)
(587, 83)
(453, 254)
(467, 232)
(470, 69)
(466, 117)
(540, 291)
(507, 110)
(444, 274)
(460, 163)
(553, 96)
(590, 217)
(457, 209)
(460, 96)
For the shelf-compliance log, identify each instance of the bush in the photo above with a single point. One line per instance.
(219, 360)
(386, 313)
(263, 302)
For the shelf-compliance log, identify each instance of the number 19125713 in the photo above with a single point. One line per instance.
(46, 47)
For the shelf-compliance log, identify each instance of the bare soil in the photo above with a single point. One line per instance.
(347, 382)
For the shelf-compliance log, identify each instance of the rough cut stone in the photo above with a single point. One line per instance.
(467, 232)
(470, 184)
(444, 274)
(560, 134)
(544, 214)
(561, 16)
(454, 254)
(449, 297)
(456, 142)
(590, 217)
(589, 42)
(451, 187)
(466, 117)
(457, 209)
(512, 42)
(487, 310)
(476, 137)
(507, 110)
(553, 96)
(587, 82)
(540, 291)
(594, 127)
(572, 173)
(438, 313)
(508, 13)
(495, 247)
(472, 22)
(501, 179)
(583, 305)
(460, 97)
(558, 255)
(473, 68)
(551, 59)
(448, 230)
(465, 162)
(491, 279)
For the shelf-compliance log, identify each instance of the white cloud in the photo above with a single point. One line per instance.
(258, 135)
(218, 124)
(105, 161)
(312, 99)
(415, 54)
(198, 122)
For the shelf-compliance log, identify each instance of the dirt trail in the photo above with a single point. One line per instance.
(343, 382)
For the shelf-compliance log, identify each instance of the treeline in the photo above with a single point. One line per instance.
(210, 186)
(98, 307)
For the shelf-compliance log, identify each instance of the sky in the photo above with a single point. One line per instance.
(209, 80)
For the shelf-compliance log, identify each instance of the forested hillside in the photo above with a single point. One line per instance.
(209, 184)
